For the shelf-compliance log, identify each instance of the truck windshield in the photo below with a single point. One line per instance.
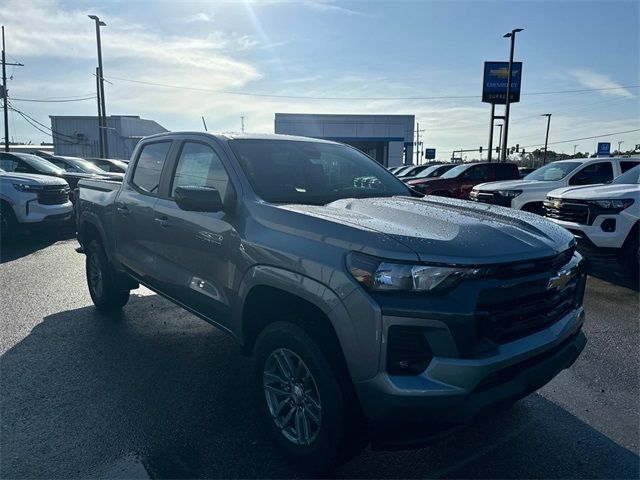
(553, 171)
(286, 171)
(631, 177)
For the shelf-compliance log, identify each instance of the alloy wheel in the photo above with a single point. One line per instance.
(292, 397)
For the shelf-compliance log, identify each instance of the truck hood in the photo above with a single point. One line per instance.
(515, 185)
(597, 192)
(449, 230)
(32, 178)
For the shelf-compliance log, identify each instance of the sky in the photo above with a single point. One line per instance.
(253, 58)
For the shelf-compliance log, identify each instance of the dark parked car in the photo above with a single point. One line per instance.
(459, 181)
(109, 164)
(412, 172)
(80, 165)
(433, 171)
(372, 314)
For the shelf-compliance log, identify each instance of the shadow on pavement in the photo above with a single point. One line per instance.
(611, 272)
(156, 392)
(28, 243)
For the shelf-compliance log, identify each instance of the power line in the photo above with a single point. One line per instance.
(43, 100)
(52, 132)
(310, 97)
(556, 142)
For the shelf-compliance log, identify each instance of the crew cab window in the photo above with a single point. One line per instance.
(627, 165)
(149, 166)
(477, 172)
(593, 174)
(200, 166)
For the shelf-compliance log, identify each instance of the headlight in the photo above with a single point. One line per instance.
(615, 204)
(509, 193)
(378, 275)
(25, 187)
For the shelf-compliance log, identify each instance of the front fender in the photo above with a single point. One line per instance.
(359, 341)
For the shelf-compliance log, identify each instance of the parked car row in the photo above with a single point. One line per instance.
(37, 191)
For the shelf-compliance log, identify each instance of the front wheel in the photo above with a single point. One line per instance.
(106, 295)
(305, 401)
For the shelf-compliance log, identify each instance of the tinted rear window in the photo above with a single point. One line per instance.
(149, 166)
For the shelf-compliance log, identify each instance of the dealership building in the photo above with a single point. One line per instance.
(77, 136)
(386, 138)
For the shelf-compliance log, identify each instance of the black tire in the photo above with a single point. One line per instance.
(629, 259)
(106, 295)
(534, 207)
(341, 434)
(8, 223)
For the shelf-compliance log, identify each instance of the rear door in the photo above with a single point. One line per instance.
(471, 177)
(134, 220)
(198, 252)
(593, 174)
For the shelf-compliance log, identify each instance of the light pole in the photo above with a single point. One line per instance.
(102, 115)
(503, 151)
(620, 143)
(574, 150)
(546, 139)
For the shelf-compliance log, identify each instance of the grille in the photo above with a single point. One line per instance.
(521, 269)
(511, 313)
(568, 212)
(490, 197)
(53, 195)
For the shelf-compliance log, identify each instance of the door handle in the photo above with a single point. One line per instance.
(162, 221)
(122, 209)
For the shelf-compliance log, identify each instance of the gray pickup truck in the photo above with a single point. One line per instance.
(374, 314)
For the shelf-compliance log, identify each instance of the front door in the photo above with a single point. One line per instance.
(197, 251)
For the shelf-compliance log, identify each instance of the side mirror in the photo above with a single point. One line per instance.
(198, 199)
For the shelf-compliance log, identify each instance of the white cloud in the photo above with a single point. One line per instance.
(591, 79)
(198, 17)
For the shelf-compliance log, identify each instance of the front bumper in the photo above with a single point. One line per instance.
(492, 198)
(32, 213)
(593, 236)
(408, 411)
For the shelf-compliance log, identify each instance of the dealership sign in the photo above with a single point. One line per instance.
(430, 153)
(604, 149)
(494, 85)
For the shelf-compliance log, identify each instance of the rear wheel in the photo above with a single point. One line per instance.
(8, 223)
(105, 293)
(305, 400)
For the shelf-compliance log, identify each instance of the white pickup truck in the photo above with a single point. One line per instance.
(530, 192)
(605, 219)
(29, 200)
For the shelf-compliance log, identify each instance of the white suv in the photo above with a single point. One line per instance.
(605, 219)
(29, 200)
(530, 192)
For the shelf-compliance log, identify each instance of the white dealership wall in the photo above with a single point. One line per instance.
(390, 133)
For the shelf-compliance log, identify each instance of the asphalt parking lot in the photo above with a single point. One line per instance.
(159, 393)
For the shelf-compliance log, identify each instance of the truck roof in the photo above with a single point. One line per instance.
(243, 136)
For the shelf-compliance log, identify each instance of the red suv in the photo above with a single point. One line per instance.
(459, 181)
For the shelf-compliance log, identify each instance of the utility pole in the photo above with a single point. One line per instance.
(574, 149)
(546, 140)
(418, 142)
(98, 97)
(104, 151)
(242, 123)
(507, 106)
(5, 93)
(619, 144)
(493, 112)
(204, 123)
